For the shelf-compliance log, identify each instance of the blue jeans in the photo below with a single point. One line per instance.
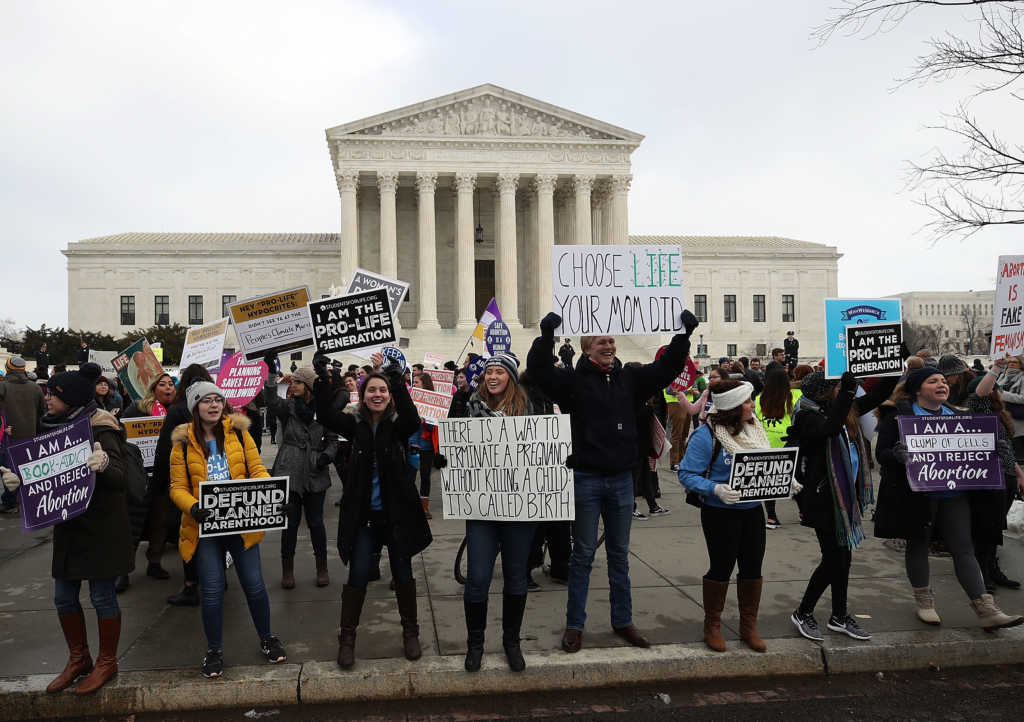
(368, 541)
(101, 592)
(210, 559)
(608, 497)
(485, 538)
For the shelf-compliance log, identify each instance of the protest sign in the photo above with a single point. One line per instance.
(617, 290)
(56, 484)
(363, 280)
(204, 345)
(843, 312)
(474, 370)
(241, 380)
(395, 353)
(498, 338)
(442, 378)
(431, 405)
(507, 468)
(763, 474)
(137, 367)
(105, 360)
(1008, 321)
(874, 349)
(144, 432)
(244, 505)
(685, 379)
(358, 320)
(273, 323)
(432, 359)
(951, 453)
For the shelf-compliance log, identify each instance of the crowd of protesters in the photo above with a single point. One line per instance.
(363, 422)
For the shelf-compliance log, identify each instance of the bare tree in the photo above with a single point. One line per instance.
(9, 330)
(974, 326)
(982, 182)
(921, 335)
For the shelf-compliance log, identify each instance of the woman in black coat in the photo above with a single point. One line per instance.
(380, 503)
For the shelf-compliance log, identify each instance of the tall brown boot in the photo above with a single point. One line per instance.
(288, 573)
(106, 660)
(714, 602)
(322, 577)
(749, 592)
(351, 607)
(79, 661)
(406, 596)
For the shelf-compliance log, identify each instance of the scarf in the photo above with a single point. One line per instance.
(303, 410)
(158, 409)
(750, 438)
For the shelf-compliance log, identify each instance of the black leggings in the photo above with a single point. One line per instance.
(733, 535)
(834, 571)
(426, 466)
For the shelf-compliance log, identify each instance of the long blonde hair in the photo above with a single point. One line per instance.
(512, 401)
(147, 401)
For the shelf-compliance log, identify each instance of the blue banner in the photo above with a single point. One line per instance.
(843, 312)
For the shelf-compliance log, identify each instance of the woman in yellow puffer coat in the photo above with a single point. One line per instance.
(217, 446)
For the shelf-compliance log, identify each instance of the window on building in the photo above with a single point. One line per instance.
(161, 310)
(920, 310)
(759, 315)
(195, 310)
(788, 308)
(700, 307)
(947, 333)
(226, 301)
(127, 310)
(730, 350)
(730, 308)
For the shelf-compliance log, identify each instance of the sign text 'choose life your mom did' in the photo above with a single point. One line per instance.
(617, 290)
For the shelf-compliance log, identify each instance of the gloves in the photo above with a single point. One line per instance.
(795, 489)
(322, 462)
(439, 461)
(901, 453)
(549, 323)
(320, 364)
(98, 459)
(727, 494)
(848, 383)
(10, 479)
(390, 366)
(200, 515)
(690, 321)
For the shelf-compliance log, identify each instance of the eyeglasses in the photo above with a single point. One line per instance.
(212, 400)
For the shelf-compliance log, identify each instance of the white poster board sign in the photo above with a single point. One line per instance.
(1008, 319)
(363, 280)
(204, 345)
(144, 432)
(273, 323)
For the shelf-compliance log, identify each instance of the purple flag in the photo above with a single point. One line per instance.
(56, 485)
(952, 453)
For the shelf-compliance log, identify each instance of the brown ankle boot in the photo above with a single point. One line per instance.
(749, 592)
(322, 577)
(714, 602)
(288, 573)
(351, 607)
(106, 660)
(425, 500)
(79, 661)
(406, 596)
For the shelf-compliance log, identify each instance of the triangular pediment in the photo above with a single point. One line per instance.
(485, 111)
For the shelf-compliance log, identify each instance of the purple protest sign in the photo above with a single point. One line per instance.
(56, 485)
(951, 453)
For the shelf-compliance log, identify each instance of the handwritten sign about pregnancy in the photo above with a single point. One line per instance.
(507, 468)
(617, 290)
(951, 453)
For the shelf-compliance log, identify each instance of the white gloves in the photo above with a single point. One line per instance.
(795, 489)
(727, 494)
(11, 481)
(98, 459)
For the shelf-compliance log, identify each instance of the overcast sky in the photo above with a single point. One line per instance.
(210, 116)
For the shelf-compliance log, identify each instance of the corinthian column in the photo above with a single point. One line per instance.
(583, 184)
(505, 273)
(545, 185)
(348, 184)
(620, 208)
(387, 184)
(465, 286)
(426, 183)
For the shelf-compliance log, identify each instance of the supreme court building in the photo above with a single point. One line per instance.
(462, 197)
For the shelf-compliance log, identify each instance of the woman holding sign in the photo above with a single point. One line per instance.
(733, 530)
(216, 446)
(905, 514)
(380, 503)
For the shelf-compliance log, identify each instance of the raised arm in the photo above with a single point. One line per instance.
(661, 372)
(806, 430)
(553, 381)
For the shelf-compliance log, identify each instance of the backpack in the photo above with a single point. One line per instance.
(793, 441)
(136, 477)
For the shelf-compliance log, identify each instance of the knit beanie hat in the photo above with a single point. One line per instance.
(951, 365)
(76, 388)
(816, 387)
(916, 378)
(508, 361)
(15, 363)
(306, 375)
(197, 391)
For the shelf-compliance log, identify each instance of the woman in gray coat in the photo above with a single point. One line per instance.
(304, 454)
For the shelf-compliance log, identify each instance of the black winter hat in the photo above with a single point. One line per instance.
(951, 365)
(916, 378)
(76, 388)
(816, 387)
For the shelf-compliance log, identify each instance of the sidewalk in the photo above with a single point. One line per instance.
(162, 646)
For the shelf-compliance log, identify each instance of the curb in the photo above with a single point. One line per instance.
(323, 682)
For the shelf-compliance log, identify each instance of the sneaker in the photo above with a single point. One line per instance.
(273, 650)
(674, 467)
(847, 626)
(660, 511)
(637, 514)
(807, 625)
(213, 664)
(770, 523)
(530, 583)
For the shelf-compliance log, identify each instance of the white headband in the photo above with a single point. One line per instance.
(732, 398)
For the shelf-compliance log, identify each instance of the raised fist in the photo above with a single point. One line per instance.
(549, 323)
(320, 364)
(848, 383)
(690, 321)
